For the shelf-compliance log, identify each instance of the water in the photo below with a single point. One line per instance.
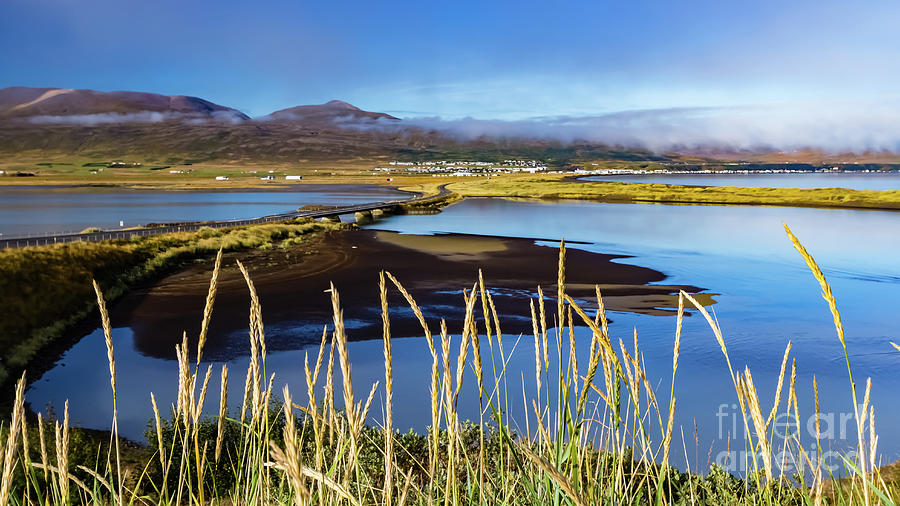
(40, 211)
(853, 181)
(765, 298)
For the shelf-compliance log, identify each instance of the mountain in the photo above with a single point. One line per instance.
(334, 111)
(21, 102)
(48, 123)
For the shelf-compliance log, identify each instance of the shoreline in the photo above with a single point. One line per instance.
(140, 187)
(50, 356)
(540, 187)
(351, 260)
(62, 298)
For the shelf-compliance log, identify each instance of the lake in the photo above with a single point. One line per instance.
(36, 210)
(739, 256)
(853, 181)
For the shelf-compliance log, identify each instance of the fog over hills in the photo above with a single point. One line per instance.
(831, 128)
(119, 123)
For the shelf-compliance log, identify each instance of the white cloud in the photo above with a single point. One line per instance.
(104, 118)
(231, 117)
(854, 127)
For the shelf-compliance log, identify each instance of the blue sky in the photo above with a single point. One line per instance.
(488, 59)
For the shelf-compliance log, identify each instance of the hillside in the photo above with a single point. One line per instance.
(49, 124)
(46, 124)
(330, 112)
(22, 102)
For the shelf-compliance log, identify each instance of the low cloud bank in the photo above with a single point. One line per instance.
(858, 127)
(832, 128)
(231, 117)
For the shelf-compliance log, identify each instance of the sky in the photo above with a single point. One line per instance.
(506, 60)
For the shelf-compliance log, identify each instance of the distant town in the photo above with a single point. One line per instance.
(463, 168)
(446, 168)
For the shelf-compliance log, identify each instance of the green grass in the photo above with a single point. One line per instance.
(45, 290)
(554, 187)
(597, 434)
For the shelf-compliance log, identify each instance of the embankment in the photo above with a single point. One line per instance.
(46, 290)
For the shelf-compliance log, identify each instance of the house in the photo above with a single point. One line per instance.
(293, 178)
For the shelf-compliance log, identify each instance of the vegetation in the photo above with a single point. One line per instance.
(44, 290)
(598, 435)
(556, 187)
(434, 201)
(76, 174)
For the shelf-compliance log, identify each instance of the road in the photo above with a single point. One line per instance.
(107, 235)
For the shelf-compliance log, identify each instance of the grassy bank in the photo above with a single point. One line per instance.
(432, 201)
(45, 290)
(599, 431)
(558, 187)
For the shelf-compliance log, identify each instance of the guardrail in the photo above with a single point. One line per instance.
(108, 235)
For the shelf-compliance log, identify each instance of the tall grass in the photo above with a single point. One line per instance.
(598, 434)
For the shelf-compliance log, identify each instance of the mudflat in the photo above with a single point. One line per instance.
(292, 285)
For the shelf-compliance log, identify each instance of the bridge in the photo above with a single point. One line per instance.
(190, 226)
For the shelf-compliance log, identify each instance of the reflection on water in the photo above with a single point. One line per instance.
(35, 210)
(766, 298)
(853, 181)
(292, 288)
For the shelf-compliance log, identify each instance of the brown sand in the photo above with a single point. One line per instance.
(435, 269)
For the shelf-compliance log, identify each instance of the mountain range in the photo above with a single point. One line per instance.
(55, 105)
(47, 122)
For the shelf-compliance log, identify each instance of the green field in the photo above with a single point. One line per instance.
(557, 187)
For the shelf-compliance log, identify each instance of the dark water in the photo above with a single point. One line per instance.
(853, 181)
(38, 211)
(766, 298)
